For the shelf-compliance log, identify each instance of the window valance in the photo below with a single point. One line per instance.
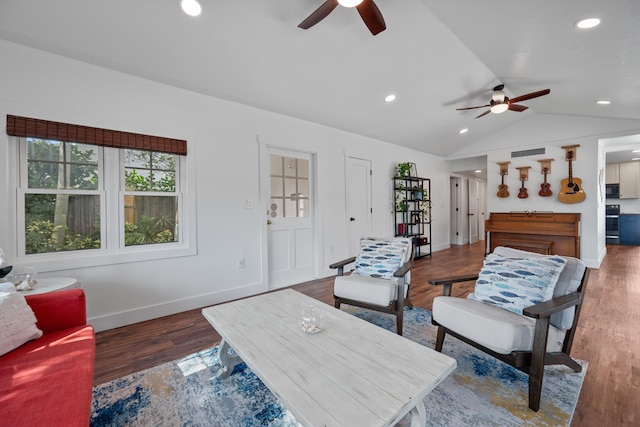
(45, 129)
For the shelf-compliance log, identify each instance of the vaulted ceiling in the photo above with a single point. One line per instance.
(435, 56)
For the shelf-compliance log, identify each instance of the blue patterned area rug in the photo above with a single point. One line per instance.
(481, 391)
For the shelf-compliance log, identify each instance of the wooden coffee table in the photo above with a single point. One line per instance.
(351, 373)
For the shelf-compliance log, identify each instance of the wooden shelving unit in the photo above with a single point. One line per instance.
(412, 212)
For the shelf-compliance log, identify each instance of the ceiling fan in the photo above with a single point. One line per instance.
(366, 8)
(501, 103)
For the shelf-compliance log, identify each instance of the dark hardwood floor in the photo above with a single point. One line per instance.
(607, 335)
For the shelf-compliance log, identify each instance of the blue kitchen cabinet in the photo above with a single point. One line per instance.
(630, 229)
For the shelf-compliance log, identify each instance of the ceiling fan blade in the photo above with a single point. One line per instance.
(320, 13)
(516, 107)
(483, 114)
(371, 16)
(531, 95)
(473, 108)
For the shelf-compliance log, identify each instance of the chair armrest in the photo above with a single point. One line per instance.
(448, 282)
(343, 262)
(453, 279)
(554, 305)
(58, 310)
(340, 264)
(404, 269)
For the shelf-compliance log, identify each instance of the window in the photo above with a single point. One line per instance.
(61, 200)
(98, 197)
(150, 198)
(289, 187)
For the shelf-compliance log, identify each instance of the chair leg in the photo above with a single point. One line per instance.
(336, 303)
(440, 338)
(536, 370)
(399, 315)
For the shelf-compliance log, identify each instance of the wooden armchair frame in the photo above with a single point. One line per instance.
(530, 362)
(395, 307)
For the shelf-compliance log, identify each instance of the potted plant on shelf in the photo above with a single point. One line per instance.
(404, 169)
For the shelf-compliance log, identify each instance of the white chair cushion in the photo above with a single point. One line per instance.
(366, 289)
(568, 282)
(500, 330)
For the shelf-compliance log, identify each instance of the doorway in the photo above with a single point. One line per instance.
(358, 203)
(288, 193)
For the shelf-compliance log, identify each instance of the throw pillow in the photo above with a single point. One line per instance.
(568, 282)
(17, 321)
(380, 258)
(517, 283)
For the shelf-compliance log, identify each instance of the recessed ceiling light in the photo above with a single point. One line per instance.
(390, 98)
(465, 130)
(191, 7)
(603, 102)
(635, 158)
(588, 23)
(478, 171)
(636, 151)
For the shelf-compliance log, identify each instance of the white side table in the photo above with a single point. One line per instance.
(50, 284)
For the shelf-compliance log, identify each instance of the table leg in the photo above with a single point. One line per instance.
(419, 415)
(227, 361)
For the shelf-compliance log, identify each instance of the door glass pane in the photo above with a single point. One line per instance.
(290, 166)
(290, 187)
(277, 189)
(303, 188)
(276, 165)
(290, 210)
(303, 168)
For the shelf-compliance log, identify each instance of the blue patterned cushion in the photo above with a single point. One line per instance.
(517, 283)
(380, 258)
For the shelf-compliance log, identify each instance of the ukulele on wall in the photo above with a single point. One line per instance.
(524, 176)
(503, 189)
(545, 187)
(571, 188)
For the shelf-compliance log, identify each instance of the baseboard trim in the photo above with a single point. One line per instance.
(141, 314)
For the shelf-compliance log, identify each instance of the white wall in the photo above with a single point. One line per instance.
(551, 133)
(222, 142)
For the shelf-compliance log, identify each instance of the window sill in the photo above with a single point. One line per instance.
(44, 263)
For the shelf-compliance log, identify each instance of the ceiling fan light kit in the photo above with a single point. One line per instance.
(367, 9)
(191, 7)
(349, 3)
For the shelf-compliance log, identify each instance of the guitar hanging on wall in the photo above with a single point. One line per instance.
(545, 187)
(524, 176)
(571, 188)
(503, 189)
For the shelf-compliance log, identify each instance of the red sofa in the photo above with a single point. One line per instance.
(48, 381)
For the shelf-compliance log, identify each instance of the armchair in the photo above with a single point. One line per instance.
(542, 334)
(381, 277)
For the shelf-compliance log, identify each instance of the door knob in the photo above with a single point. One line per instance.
(352, 219)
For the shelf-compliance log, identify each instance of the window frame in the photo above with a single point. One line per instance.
(111, 190)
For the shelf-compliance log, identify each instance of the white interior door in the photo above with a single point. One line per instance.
(473, 213)
(290, 213)
(358, 193)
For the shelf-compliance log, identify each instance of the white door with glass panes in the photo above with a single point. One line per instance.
(289, 217)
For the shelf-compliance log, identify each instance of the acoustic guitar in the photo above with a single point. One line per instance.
(522, 194)
(503, 188)
(571, 188)
(545, 187)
